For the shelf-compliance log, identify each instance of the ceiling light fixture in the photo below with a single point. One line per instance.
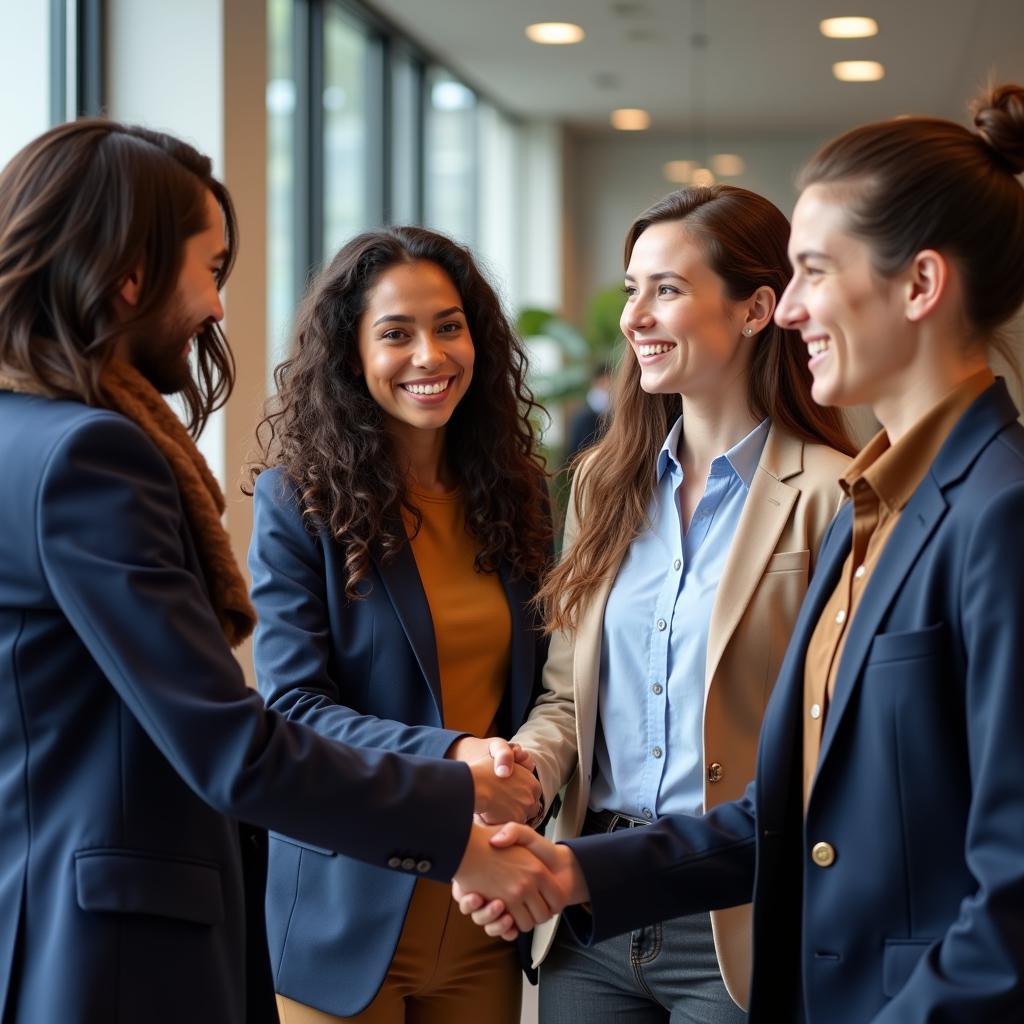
(858, 71)
(554, 33)
(727, 165)
(630, 119)
(678, 171)
(849, 28)
(702, 177)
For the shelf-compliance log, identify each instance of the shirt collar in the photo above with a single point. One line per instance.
(894, 472)
(742, 457)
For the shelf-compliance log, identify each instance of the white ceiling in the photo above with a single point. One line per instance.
(766, 69)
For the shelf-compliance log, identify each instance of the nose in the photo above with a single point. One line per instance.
(635, 315)
(217, 308)
(790, 313)
(428, 353)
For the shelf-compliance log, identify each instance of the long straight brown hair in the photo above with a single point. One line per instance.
(743, 237)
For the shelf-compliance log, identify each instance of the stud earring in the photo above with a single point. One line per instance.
(748, 331)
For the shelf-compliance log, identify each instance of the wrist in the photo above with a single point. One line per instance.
(467, 748)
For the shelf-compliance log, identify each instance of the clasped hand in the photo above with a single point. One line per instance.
(504, 786)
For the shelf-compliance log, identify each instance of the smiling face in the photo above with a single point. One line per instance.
(415, 349)
(163, 359)
(851, 320)
(683, 329)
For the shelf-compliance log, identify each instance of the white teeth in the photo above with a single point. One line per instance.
(815, 348)
(427, 389)
(653, 350)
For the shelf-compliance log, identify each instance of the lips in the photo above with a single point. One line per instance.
(427, 387)
(815, 346)
(653, 348)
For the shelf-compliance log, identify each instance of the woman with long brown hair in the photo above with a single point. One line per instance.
(692, 533)
(401, 527)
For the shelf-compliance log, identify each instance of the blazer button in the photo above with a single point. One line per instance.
(408, 864)
(423, 866)
(394, 862)
(823, 854)
(715, 772)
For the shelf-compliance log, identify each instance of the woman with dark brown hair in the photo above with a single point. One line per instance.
(401, 527)
(883, 836)
(692, 534)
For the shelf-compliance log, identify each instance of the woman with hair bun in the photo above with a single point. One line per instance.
(401, 527)
(883, 836)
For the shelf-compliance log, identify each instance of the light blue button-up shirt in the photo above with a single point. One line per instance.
(648, 751)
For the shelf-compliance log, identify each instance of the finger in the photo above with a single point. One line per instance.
(504, 928)
(473, 902)
(488, 914)
(523, 757)
(504, 757)
(458, 892)
(511, 834)
(543, 849)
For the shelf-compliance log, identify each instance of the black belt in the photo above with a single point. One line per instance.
(612, 821)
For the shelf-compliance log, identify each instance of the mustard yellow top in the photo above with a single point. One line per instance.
(472, 620)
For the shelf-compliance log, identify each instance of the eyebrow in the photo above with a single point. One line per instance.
(399, 318)
(811, 254)
(661, 276)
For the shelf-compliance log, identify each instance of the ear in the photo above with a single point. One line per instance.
(927, 282)
(760, 308)
(131, 287)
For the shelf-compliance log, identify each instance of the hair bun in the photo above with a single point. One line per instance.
(999, 118)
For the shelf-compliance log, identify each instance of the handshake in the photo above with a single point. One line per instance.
(510, 878)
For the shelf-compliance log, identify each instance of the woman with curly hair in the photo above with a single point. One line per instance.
(401, 527)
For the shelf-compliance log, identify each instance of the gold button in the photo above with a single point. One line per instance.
(715, 772)
(860, 571)
(840, 616)
(815, 711)
(823, 854)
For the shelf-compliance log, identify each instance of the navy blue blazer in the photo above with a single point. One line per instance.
(365, 672)
(920, 786)
(130, 747)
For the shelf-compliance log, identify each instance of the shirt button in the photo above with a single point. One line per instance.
(408, 864)
(656, 688)
(860, 572)
(840, 616)
(661, 624)
(823, 854)
(394, 862)
(656, 752)
(715, 772)
(815, 711)
(423, 866)
(647, 813)
(677, 565)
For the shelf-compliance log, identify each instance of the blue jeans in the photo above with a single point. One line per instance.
(663, 974)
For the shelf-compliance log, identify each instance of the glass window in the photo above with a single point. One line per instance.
(345, 126)
(24, 77)
(450, 156)
(406, 139)
(282, 93)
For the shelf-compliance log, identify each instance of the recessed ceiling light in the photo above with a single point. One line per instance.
(630, 119)
(858, 71)
(678, 171)
(702, 177)
(554, 33)
(727, 165)
(849, 28)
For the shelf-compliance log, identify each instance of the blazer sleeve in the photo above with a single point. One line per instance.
(292, 645)
(111, 548)
(680, 864)
(549, 733)
(971, 975)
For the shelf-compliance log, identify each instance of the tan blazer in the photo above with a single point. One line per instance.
(793, 496)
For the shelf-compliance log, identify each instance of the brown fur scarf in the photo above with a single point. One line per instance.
(126, 391)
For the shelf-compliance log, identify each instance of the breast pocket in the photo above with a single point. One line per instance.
(909, 645)
(789, 561)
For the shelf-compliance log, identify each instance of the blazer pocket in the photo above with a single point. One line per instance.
(899, 958)
(910, 645)
(137, 882)
(789, 561)
(323, 851)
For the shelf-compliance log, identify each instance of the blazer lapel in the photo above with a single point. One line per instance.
(402, 582)
(522, 661)
(917, 522)
(765, 514)
(586, 668)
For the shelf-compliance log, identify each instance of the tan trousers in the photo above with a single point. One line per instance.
(445, 971)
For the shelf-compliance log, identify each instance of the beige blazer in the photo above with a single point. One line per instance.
(793, 496)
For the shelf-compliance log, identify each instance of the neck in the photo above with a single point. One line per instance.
(421, 455)
(713, 423)
(942, 365)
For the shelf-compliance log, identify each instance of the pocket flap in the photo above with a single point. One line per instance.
(899, 959)
(789, 561)
(136, 882)
(305, 846)
(908, 645)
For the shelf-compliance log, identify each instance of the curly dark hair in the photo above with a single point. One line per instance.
(328, 434)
